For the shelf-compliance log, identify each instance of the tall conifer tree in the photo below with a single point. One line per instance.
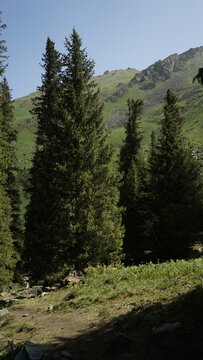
(176, 188)
(9, 135)
(41, 241)
(90, 217)
(73, 216)
(7, 253)
(133, 187)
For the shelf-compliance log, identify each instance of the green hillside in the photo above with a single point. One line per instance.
(175, 72)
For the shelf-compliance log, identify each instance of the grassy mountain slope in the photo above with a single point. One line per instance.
(175, 72)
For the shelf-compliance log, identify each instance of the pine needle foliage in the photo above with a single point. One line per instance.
(7, 251)
(41, 243)
(176, 187)
(134, 185)
(91, 219)
(3, 49)
(9, 135)
(73, 217)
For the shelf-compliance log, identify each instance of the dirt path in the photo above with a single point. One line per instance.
(78, 332)
(57, 325)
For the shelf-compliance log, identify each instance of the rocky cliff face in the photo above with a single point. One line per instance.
(162, 69)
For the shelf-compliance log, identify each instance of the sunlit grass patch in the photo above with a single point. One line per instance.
(149, 282)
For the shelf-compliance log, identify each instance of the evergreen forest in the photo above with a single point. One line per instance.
(87, 203)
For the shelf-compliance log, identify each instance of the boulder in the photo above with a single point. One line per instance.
(3, 312)
(31, 351)
(166, 328)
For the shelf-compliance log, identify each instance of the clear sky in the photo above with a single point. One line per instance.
(117, 33)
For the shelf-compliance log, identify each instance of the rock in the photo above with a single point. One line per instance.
(49, 289)
(3, 312)
(50, 308)
(31, 351)
(166, 328)
(125, 356)
(4, 294)
(34, 351)
(120, 342)
(43, 294)
(25, 315)
(133, 322)
(66, 355)
(72, 278)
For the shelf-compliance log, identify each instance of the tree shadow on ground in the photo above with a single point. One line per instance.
(183, 343)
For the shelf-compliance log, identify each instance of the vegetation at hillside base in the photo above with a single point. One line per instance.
(79, 222)
(137, 301)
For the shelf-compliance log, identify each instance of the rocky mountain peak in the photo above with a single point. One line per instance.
(161, 70)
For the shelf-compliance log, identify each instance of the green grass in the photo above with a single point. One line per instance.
(134, 285)
(110, 296)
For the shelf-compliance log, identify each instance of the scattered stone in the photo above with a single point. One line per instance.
(25, 315)
(50, 308)
(31, 351)
(166, 328)
(49, 289)
(133, 322)
(4, 294)
(43, 294)
(3, 312)
(73, 278)
(39, 291)
(120, 342)
(66, 355)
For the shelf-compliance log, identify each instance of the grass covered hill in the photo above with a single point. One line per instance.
(175, 72)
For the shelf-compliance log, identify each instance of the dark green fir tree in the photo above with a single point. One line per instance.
(91, 230)
(175, 188)
(72, 218)
(134, 185)
(11, 186)
(41, 253)
(7, 252)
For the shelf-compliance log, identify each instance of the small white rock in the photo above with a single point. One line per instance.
(166, 328)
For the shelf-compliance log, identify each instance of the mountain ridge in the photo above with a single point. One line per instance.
(175, 72)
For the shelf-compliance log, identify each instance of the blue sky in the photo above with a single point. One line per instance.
(117, 33)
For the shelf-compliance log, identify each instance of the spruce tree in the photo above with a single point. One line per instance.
(9, 134)
(176, 188)
(72, 218)
(7, 253)
(134, 185)
(90, 219)
(41, 241)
